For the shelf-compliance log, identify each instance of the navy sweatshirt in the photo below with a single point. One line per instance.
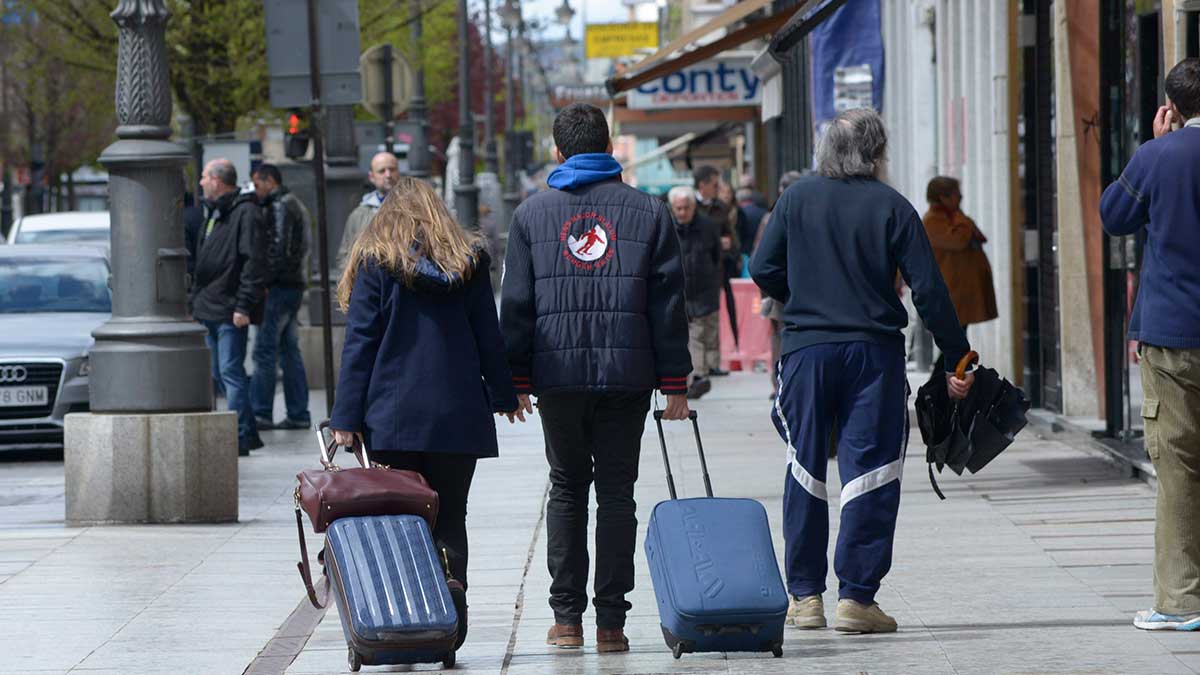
(830, 253)
(1160, 190)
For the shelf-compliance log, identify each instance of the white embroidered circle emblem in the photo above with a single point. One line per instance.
(589, 246)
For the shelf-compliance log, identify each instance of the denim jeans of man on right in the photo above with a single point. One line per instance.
(228, 346)
(278, 341)
(592, 437)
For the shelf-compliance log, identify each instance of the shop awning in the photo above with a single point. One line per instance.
(684, 52)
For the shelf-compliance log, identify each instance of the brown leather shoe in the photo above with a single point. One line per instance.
(565, 636)
(611, 640)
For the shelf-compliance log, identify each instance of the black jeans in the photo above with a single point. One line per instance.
(451, 476)
(592, 436)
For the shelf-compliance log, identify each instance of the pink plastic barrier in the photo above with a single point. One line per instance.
(754, 330)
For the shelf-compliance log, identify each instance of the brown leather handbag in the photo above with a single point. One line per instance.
(370, 489)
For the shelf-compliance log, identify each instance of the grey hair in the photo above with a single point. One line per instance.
(789, 177)
(224, 171)
(854, 146)
(681, 191)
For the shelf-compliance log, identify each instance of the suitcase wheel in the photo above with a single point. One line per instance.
(448, 661)
(777, 651)
(677, 650)
(354, 661)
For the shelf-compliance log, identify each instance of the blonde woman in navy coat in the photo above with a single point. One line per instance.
(424, 366)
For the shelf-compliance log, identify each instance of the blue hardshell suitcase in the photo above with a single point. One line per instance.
(391, 591)
(712, 564)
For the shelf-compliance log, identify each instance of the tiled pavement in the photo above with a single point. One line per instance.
(1033, 566)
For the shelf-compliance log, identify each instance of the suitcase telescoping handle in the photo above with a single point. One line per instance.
(328, 448)
(662, 443)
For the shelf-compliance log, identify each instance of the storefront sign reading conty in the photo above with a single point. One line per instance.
(704, 85)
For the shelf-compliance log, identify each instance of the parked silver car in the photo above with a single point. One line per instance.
(83, 227)
(51, 299)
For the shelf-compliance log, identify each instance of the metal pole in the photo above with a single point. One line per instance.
(418, 149)
(510, 198)
(489, 126)
(150, 357)
(318, 136)
(466, 193)
(6, 215)
(389, 115)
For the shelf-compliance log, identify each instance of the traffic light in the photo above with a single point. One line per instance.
(295, 138)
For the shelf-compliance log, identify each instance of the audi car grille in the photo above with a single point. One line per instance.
(49, 374)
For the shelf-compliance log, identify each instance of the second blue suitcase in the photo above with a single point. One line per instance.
(712, 563)
(391, 591)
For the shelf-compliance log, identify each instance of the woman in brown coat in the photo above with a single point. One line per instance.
(958, 247)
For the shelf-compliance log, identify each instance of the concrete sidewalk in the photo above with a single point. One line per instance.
(1034, 565)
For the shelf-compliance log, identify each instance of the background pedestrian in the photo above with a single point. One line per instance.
(287, 232)
(228, 286)
(958, 247)
(1159, 192)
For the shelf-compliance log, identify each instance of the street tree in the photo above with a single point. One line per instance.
(216, 50)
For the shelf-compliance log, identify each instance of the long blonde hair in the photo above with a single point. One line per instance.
(411, 224)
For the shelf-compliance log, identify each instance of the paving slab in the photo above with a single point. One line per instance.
(1035, 565)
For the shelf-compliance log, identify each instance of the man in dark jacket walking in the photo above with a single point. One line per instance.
(707, 181)
(287, 238)
(593, 316)
(228, 286)
(700, 247)
(1158, 192)
(830, 253)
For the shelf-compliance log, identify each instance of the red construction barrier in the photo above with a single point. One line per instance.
(754, 330)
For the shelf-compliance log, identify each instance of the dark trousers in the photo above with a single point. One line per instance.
(592, 437)
(858, 391)
(227, 343)
(278, 342)
(451, 476)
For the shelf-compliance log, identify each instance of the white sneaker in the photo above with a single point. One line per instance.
(806, 613)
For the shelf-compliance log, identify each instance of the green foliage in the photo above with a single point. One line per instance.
(61, 105)
(384, 21)
(216, 49)
(218, 61)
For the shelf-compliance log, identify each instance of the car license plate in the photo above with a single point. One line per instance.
(23, 397)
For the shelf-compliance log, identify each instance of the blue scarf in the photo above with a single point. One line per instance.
(584, 169)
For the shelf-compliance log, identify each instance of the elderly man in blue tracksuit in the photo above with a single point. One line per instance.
(830, 254)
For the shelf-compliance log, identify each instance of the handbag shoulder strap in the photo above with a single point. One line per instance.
(305, 570)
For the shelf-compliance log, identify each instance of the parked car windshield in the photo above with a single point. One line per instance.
(29, 285)
(90, 235)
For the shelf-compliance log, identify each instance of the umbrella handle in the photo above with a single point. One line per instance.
(970, 359)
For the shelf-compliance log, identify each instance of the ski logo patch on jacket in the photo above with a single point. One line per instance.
(588, 241)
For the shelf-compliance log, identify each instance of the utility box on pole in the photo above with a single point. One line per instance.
(288, 58)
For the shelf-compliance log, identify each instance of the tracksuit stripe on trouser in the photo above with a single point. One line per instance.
(859, 390)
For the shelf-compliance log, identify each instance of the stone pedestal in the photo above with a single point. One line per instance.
(313, 350)
(162, 468)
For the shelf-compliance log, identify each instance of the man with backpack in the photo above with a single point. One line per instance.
(593, 324)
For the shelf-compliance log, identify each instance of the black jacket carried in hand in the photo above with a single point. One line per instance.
(700, 245)
(230, 260)
(593, 296)
(287, 227)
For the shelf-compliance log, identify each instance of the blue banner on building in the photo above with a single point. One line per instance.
(847, 61)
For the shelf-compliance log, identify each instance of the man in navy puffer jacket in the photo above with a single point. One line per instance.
(592, 312)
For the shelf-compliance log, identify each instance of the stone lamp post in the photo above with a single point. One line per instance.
(151, 450)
